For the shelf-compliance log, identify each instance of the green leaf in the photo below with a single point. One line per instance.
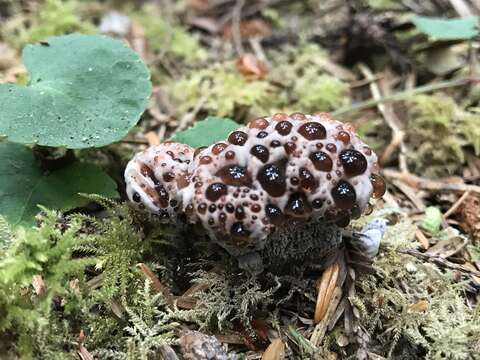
(448, 29)
(23, 185)
(84, 91)
(206, 132)
(432, 220)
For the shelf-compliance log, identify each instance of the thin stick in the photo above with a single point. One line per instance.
(236, 32)
(156, 283)
(391, 119)
(457, 204)
(427, 184)
(406, 94)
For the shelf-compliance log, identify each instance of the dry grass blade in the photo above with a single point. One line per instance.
(328, 283)
(156, 283)
(275, 351)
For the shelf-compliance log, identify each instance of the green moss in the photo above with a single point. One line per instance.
(226, 89)
(53, 17)
(168, 38)
(438, 134)
(306, 83)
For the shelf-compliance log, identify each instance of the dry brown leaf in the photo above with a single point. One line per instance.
(327, 285)
(250, 66)
(448, 247)
(274, 351)
(419, 306)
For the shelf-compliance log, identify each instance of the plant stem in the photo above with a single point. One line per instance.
(405, 94)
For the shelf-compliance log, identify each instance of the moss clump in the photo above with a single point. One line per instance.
(439, 132)
(52, 17)
(227, 90)
(306, 83)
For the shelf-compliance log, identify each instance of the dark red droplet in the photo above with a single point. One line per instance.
(344, 195)
(230, 155)
(353, 161)
(238, 138)
(162, 195)
(343, 219)
(298, 206)
(218, 148)
(212, 208)
(294, 180)
(262, 134)
(256, 208)
(259, 123)
(274, 214)
(331, 147)
(238, 231)
(298, 116)
(307, 179)
(235, 175)
(275, 143)
(168, 176)
(312, 131)
(198, 151)
(260, 152)
(272, 179)
(229, 207)
(379, 186)
(284, 127)
(240, 213)
(222, 217)
(202, 208)
(204, 160)
(254, 197)
(211, 221)
(290, 147)
(317, 203)
(215, 191)
(280, 117)
(136, 197)
(344, 137)
(321, 161)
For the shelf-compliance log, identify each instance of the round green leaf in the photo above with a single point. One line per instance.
(206, 132)
(23, 185)
(84, 91)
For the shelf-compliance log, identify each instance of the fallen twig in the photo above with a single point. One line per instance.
(438, 260)
(428, 184)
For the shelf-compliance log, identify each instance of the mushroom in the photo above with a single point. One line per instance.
(267, 175)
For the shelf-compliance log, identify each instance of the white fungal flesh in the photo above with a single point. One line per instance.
(309, 166)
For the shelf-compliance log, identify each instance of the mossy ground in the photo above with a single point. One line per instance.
(79, 283)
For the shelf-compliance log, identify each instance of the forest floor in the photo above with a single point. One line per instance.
(410, 88)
